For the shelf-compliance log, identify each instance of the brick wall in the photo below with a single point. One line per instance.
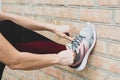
(0, 5)
(104, 62)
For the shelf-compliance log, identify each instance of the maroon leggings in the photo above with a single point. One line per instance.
(26, 40)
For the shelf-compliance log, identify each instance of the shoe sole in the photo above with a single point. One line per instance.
(84, 62)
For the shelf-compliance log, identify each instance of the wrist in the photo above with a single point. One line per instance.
(56, 59)
(53, 28)
(5, 16)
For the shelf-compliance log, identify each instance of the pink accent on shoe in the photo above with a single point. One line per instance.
(83, 49)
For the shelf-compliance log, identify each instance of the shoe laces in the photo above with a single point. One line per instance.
(76, 42)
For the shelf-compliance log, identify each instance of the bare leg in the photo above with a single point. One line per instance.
(27, 41)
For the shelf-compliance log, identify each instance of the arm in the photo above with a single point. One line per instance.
(37, 25)
(27, 61)
(23, 60)
(27, 22)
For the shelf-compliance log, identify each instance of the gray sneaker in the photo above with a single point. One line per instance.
(82, 45)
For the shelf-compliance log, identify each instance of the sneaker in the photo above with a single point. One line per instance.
(82, 45)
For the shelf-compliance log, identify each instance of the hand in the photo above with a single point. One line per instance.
(64, 31)
(66, 57)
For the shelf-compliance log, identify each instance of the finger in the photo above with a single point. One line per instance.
(68, 37)
(71, 30)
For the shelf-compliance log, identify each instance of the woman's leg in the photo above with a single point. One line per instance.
(27, 41)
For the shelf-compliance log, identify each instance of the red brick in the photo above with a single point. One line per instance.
(108, 2)
(110, 32)
(77, 26)
(113, 78)
(117, 15)
(96, 15)
(41, 76)
(100, 47)
(56, 12)
(81, 2)
(67, 13)
(51, 2)
(105, 63)
(57, 73)
(25, 10)
(31, 1)
(115, 49)
(63, 2)
(17, 9)
(67, 68)
(114, 67)
(43, 11)
(23, 1)
(69, 76)
(7, 8)
(8, 1)
(97, 61)
(93, 74)
(56, 2)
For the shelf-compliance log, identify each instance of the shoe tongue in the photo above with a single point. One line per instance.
(77, 42)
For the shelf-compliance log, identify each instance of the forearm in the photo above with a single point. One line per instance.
(24, 60)
(27, 22)
(28, 61)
